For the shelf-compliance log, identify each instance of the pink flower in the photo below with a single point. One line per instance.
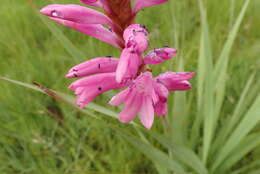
(138, 98)
(159, 55)
(93, 66)
(128, 66)
(136, 42)
(146, 96)
(102, 79)
(90, 87)
(84, 20)
(175, 80)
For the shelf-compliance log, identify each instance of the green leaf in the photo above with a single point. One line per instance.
(244, 127)
(205, 87)
(220, 70)
(244, 100)
(155, 155)
(67, 99)
(245, 146)
(181, 153)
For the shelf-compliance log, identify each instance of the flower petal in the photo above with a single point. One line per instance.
(95, 30)
(159, 55)
(105, 81)
(147, 112)
(76, 13)
(161, 91)
(128, 65)
(161, 108)
(146, 3)
(132, 106)
(93, 66)
(120, 98)
(175, 80)
(179, 86)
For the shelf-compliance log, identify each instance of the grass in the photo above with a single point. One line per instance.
(212, 128)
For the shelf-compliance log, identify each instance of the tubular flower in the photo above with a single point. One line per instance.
(142, 95)
(90, 87)
(93, 66)
(175, 80)
(138, 99)
(159, 55)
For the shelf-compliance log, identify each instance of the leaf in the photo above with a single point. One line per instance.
(245, 126)
(67, 99)
(155, 155)
(181, 153)
(240, 109)
(220, 70)
(205, 87)
(245, 146)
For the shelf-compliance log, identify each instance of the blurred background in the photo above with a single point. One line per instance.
(40, 135)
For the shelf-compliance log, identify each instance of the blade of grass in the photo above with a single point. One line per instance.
(67, 99)
(245, 146)
(181, 153)
(205, 87)
(249, 121)
(154, 154)
(220, 70)
(240, 108)
(178, 117)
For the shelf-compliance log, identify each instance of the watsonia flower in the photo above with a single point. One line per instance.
(143, 95)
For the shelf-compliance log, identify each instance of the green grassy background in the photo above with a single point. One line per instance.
(32, 141)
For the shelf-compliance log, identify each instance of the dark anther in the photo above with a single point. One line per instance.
(75, 75)
(99, 88)
(109, 56)
(99, 66)
(74, 70)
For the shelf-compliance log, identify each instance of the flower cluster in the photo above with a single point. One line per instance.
(143, 94)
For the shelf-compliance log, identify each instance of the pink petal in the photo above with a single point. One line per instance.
(179, 86)
(136, 38)
(102, 82)
(175, 80)
(76, 13)
(175, 76)
(93, 66)
(146, 3)
(159, 55)
(132, 106)
(135, 29)
(128, 65)
(161, 91)
(147, 112)
(87, 95)
(161, 108)
(120, 98)
(95, 30)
